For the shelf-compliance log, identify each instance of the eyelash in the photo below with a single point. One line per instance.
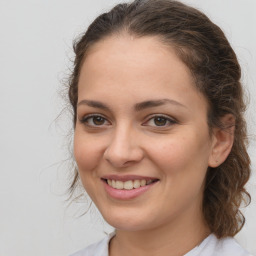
(167, 119)
(85, 120)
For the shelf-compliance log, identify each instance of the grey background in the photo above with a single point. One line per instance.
(35, 51)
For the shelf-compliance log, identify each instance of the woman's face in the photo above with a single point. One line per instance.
(141, 127)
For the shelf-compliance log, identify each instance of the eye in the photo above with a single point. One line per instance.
(159, 121)
(94, 120)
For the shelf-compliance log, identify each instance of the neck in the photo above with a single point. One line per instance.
(176, 239)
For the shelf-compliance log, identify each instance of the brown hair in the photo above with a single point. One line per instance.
(203, 47)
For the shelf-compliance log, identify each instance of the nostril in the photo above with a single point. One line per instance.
(123, 152)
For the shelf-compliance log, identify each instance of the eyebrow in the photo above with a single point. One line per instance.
(156, 103)
(138, 106)
(94, 104)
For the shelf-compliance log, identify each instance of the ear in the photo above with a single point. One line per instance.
(222, 141)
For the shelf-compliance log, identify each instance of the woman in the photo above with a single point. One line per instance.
(159, 133)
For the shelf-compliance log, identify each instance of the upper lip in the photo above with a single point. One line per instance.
(127, 177)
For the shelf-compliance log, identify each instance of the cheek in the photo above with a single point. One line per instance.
(86, 153)
(87, 156)
(182, 154)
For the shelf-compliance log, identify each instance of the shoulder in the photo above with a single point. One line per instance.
(230, 246)
(97, 249)
(212, 246)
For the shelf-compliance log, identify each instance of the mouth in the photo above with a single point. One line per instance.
(130, 184)
(127, 187)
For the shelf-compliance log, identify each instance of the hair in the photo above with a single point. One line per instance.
(203, 47)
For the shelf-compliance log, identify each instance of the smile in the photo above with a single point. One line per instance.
(127, 187)
(129, 184)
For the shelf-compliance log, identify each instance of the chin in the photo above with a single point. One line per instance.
(128, 222)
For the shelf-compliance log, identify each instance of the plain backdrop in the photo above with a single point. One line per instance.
(35, 52)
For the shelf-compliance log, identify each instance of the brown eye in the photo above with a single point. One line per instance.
(98, 120)
(160, 121)
(94, 121)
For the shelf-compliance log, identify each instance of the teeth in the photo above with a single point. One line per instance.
(143, 182)
(136, 184)
(129, 184)
(119, 184)
(149, 182)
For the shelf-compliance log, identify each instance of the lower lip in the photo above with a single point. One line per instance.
(123, 194)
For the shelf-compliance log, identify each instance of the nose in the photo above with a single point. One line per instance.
(123, 150)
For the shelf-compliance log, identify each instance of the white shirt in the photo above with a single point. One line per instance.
(211, 246)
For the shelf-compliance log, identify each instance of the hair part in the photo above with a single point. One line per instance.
(203, 47)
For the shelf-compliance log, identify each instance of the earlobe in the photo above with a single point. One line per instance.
(222, 141)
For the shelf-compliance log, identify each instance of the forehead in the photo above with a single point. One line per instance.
(139, 67)
(141, 57)
(129, 49)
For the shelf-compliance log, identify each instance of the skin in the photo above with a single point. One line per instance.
(120, 72)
